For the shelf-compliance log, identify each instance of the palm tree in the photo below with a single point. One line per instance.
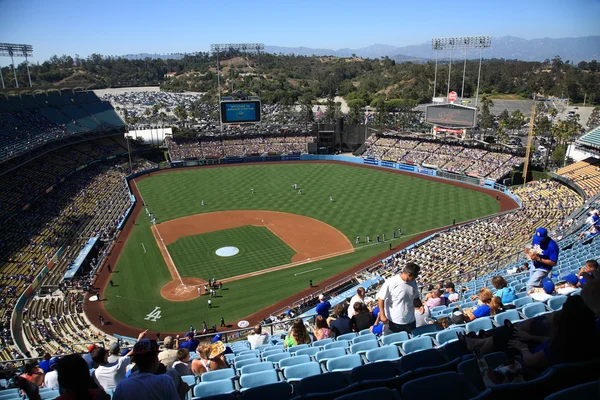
(147, 114)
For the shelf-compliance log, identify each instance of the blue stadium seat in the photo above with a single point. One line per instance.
(381, 393)
(537, 388)
(469, 304)
(425, 329)
(342, 344)
(511, 315)
(364, 338)
(220, 374)
(590, 390)
(279, 390)
(395, 338)
(322, 342)
(241, 364)
(324, 355)
(521, 302)
(278, 357)
(363, 347)
(296, 372)
(258, 379)
(373, 370)
(295, 349)
(205, 389)
(273, 347)
(288, 362)
(308, 352)
(322, 383)
(420, 343)
(454, 387)
(533, 310)
(438, 308)
(364, 332)
(263, 366)
(263, 347)
(244, 357)
(556, 302)
(270, 352)
(245, 352)
(448, 335)
(344, 363)
(483, 323)
(389, 353)
(347, 336)
(421, 359)
(470, 370)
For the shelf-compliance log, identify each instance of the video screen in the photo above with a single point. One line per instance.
(237, 112)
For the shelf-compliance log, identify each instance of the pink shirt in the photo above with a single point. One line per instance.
(435, 301)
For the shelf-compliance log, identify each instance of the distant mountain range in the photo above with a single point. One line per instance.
(507, 47)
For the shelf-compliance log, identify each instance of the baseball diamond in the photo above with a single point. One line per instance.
(279, 234)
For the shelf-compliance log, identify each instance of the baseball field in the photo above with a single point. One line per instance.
(247, 227)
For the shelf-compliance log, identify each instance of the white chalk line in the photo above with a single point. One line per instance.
(143, 247)
(310, 270)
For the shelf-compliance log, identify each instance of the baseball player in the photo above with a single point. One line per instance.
(330, 199)
(300, 192)
(202, 203)
(357, 239)
(252, 191)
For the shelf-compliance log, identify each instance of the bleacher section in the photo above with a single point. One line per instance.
(451, 157)
(207, 147)
(585, 173)
(29, 121)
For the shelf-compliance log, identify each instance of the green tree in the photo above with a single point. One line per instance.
(329, 116)
(516, 120)
(594, 118)
(486, 120)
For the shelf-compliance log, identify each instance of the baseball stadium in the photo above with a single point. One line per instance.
(241, 249)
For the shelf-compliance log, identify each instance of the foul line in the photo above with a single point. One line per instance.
(143, 247)
(162, 242)
(304, 272)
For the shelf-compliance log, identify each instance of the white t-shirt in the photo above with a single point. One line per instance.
(420, 318)
(51, 380)
(108, 376)
(453, 297)
(355, 299)
(257, 339)
(566, 290)
(146, 386)
(540, 296)
(398, 296)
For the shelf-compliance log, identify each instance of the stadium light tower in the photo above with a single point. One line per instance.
(246, 47)
(462, 43)
(16, 50)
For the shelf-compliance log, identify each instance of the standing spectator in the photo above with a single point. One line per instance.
(115, 352)
(145, 384)
(88, 356)
(358, 297)
(342, 324)
(297, 334)
(422, 313)
(321, 330)
(75, 381)
(168, 355)
(323, 307)
(396, 299)
(45, 363)
(51, 378)
(505, 292)
(190, 343)
(257, 337)
(544, 255)
(362, 318)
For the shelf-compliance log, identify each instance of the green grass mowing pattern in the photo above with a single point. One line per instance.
(259, 248)
(367, 202)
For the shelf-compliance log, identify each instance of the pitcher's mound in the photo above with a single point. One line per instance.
(175, 291)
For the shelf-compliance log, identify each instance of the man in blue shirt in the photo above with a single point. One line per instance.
(323, 307)
(190, 343)
(544, 255)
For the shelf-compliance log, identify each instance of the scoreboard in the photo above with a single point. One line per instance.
(239, 112)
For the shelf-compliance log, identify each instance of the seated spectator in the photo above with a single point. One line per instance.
(362, 318)
(321, 329)
(342, 324)
(569, 286)
(74, 380)
(145, 384)
(201, 365)
(182, 365)
(483, 308)
(297, 335)
(217, 356)
(436, 299)
(545, 292)
(505, 292)
(257, 337)
(450, 294)
(88, 356)
(51, 378)
(45, 363)
(168, 355)
(590, 233)
(422, 313)
(589, 272)
(33, 373)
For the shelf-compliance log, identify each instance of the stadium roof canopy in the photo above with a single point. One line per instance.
(591, 139)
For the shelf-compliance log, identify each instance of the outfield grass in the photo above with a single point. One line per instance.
(367, 202)
(259, 249)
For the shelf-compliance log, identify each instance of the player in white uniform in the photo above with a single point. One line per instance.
(251, 190)
(202, 203)
(300, 191)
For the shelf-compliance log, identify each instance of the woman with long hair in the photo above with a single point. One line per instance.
(74, 380)
(321, 329)
(483, 309)
(201, 365)
(297, 334)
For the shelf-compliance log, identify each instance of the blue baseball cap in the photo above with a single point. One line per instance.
(540, 234)
(571, 278)
(548, 285)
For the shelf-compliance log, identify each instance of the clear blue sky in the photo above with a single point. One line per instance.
(113, 27)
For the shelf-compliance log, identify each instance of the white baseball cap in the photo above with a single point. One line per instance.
(321, 297)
